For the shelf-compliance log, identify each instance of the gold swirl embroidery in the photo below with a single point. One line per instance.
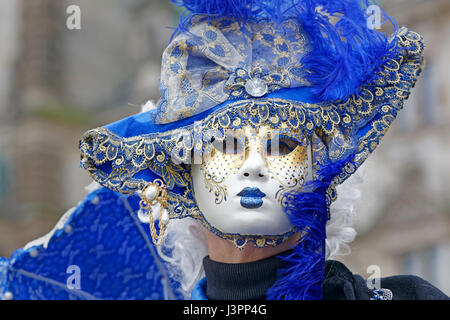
(220, 192)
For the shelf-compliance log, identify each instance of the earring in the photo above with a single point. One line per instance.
(153, 194)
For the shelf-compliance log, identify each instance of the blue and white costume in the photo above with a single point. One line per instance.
(312, 71)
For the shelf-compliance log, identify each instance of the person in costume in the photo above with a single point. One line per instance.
(266, 107)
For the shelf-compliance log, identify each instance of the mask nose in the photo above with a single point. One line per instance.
(254, 167)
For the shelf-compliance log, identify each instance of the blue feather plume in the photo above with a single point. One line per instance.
(346, 53)
(303, 275)
(304, 271)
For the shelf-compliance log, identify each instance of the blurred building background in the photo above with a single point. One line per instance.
(55, 83)
(403, 217)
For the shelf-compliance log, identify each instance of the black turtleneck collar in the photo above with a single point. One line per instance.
(250, 281)
(241, 281)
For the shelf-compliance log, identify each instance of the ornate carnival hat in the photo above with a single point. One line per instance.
(307, 66)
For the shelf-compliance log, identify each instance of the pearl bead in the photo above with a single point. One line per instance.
(165, 217)
(155, 211)
(33, 253)
(143, 216)
(150, 193)
(68, 228)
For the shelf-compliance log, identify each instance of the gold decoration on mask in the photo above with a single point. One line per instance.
(289, 165)
(223, 159)
(220, 192)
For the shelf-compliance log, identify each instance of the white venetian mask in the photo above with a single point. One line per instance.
(239, 186)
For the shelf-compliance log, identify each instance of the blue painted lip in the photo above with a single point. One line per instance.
(251, 192)
(251, 198)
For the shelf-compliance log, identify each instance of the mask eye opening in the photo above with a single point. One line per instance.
(230, 145)
(281, 145)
